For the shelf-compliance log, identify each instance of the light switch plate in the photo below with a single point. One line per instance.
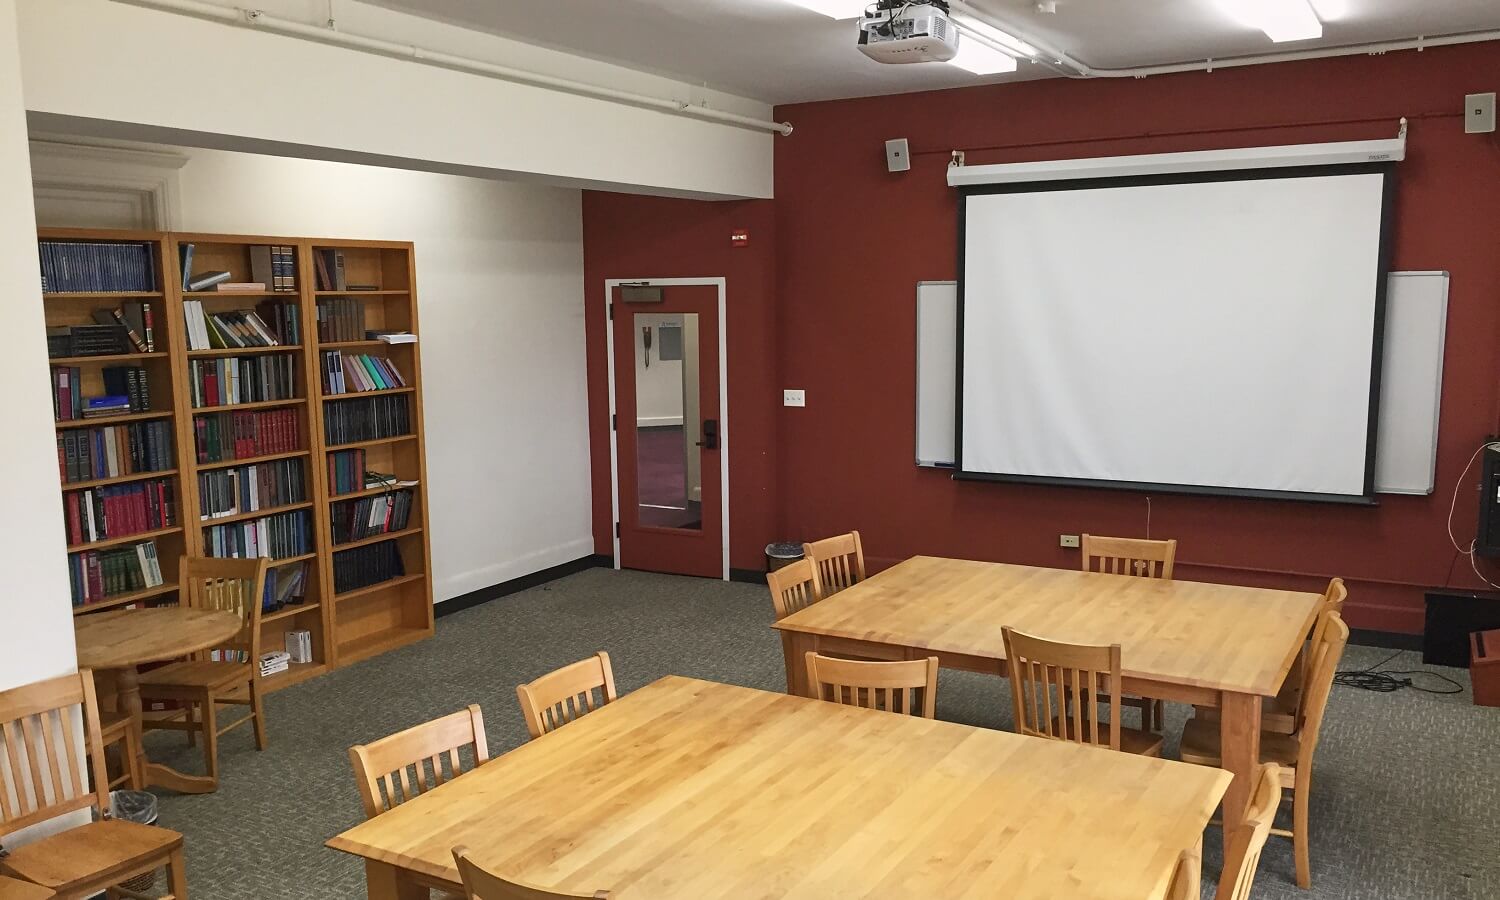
(794, 398)
(1067, 540)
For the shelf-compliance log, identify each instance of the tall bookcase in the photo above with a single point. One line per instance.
(379, 280)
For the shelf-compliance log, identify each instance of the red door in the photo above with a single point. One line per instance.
(668, 429)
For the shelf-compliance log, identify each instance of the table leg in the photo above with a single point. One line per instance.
(1239, 748)
(128, 701)
(794, 647)
(386, 882)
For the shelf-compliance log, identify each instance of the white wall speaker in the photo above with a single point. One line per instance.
(897, 155)
(1479, 113)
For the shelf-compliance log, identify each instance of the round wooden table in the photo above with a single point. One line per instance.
(122, 639)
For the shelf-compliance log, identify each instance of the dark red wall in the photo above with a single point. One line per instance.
(652, 237)
(852, 240)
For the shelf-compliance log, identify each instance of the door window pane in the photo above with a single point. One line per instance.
(669, 471)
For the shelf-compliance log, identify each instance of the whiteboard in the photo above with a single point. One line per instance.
(1410, 390)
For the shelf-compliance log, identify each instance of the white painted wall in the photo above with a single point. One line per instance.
(235, 87)
(658, 386)
(500, 297)
(35, 615)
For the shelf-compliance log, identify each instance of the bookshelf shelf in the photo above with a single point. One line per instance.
(377, 588)
(370, 492)
(113, 420)
(380, 642)
(349, 293)
(244, 351)
(247, 460)
(351, 345)
(376, 538)
(352, 394)
(298, 673)
(257, 514)
(101, 295)
(288, 560)
(119, 479)
(289, 612)
(110, 358)
(377, 442)
(199, 295)
(246, 407)
(124, 539)
(124, 599)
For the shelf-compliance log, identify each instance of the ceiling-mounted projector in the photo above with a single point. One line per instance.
(899, 31)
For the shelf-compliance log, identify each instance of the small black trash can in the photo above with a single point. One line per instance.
(782, 554)
(139, 807)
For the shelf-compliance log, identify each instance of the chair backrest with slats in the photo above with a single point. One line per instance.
(838, 562)
(1323, 662)
(908, 686)
(1242, 850)
(791, 588)
(1057, 689)
(397, 768)
(43, 769)
(1333, 604)
(480, 884)
(1129, 556)
(233, 585)
(560, 697)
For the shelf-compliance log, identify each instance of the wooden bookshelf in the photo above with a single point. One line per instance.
(367, 620)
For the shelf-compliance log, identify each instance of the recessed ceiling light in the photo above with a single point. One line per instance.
(1281, 20)
(836, 9)
(981, 59)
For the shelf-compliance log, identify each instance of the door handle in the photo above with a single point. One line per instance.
(710, 435)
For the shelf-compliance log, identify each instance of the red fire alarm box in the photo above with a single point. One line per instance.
(1484, 667)
(739, 237)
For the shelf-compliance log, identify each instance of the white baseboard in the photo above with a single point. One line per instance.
(446, 587)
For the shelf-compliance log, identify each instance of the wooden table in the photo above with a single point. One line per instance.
(1207, 644)
(695, 790)
(120, 640)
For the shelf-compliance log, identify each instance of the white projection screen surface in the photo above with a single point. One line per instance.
(1198, 333)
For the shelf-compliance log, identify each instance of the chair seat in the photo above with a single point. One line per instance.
(1132, 740)
(11, 889)
(89, 853)
(196, 673)
(1200, 745)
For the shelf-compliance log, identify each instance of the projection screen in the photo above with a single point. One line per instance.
(1212, 333)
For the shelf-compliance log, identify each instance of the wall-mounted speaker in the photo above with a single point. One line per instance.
(897, 155)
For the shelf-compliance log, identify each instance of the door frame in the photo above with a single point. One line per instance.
(614, 448)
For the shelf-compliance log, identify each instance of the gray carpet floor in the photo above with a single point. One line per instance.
(1406, 802)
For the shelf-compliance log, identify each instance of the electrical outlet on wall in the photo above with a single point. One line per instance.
(1068, 540)
(794, 398)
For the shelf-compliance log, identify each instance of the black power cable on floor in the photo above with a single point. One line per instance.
(1375, 678)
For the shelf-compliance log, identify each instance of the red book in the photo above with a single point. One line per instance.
(95, 576)
(64, 395)
(75, 525)
(200, 433)
(210, 386)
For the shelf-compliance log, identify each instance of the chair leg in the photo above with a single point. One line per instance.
(1300, 834)
(177, 876)
(1161, 714)
(210, 736)
(258, 710)
(192, 736)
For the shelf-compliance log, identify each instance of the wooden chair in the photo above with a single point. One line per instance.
(227, 674)
(114, 729)
(791, 588)
(1243, 853)
(887, 686)
(381, 768)
(1140, 558)
(1044, 673)
(482, 885)
(838, 562)
(47, 777)
(1292, 752)
(559, 697)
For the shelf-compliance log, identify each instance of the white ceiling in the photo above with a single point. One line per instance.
(774, 51)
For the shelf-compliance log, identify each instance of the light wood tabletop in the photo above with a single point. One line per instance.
(692, 789)
(119, 640)
(1207, 644)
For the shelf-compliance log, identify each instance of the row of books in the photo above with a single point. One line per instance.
(355, 520)
(366, 419)
(87, 340)
(96, 267)
(96, 575)
(345, 373)
(222, 437)
(228, 330)
(274, 266)
(346, 471)
(364, 566)
(130, 382)
(329, 266)
(285, 586)
(276, 537)
(231, 380)
(114, 451)
(98, 514)
(244, 489)
(283, 318)
(341, 319)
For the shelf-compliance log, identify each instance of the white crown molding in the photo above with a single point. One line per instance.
(110, 174)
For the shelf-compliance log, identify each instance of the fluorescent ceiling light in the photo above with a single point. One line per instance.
(1281, 20)
(970, 25)
(836, 9)
(981, 59)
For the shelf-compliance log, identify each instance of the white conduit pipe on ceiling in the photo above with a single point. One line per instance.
(289, 28)
(1067, 65)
